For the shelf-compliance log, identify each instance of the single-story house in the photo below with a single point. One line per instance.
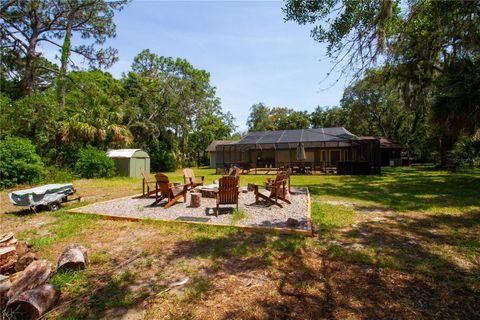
(320, 149)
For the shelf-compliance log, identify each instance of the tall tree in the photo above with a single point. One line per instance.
(420, 41)
(93, 19)
(356, 31)
(259, 118)
(167, 99)
(26, 23)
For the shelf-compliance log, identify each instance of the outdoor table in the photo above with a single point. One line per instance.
(208, 191)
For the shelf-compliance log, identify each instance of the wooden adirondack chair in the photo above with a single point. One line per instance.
(189, 178)
(278, 191)
(227, 191)
(148, 187)
(284, 173)
(165, 190)
(234, 172)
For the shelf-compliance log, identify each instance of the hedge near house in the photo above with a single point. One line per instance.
(19, 162)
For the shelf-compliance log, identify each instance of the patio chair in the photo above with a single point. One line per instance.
(148, 187)
(278, 191)
(165, 190)
(189, 178)
(234, 172)
(280, 175)
(227, 191)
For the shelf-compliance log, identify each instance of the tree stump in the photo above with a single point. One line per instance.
(33, 303)
(195, 200)
(73, 257)
(36, 274)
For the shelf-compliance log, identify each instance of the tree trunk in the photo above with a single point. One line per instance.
(29, 76)
(73, 257)
(36, 274)
(61, 82)
(32, 304)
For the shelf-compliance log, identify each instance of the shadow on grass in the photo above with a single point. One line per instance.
(407, 191)
(298, 280)
(335, 285)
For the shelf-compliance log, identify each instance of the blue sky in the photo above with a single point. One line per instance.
(251, 53)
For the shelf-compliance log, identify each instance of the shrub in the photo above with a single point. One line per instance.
(56, 174)
(163, 160)
(19, 162)
(94, 163)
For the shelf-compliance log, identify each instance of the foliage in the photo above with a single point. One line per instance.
(94, 163)
(264, 118)
(163, 159)
(428, 52)
(26, 24)
(259, 118)
(171, 102)
(466, 151)
(329, 117)
(356, 32)
(19, 162)
(94, 113)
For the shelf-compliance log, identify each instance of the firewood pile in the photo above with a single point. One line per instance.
(24, 289)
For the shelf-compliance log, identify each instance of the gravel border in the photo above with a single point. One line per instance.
(251, 214)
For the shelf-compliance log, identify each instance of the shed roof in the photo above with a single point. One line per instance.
(122, 153)
(215, 143)
(300, 135)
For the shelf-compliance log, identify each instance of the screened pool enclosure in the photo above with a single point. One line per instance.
(306, 151)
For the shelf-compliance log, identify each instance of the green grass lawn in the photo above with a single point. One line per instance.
(404, 243)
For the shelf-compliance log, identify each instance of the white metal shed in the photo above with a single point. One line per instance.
(130, 162)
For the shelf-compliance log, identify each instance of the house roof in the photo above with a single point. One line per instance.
(122, 153)
(296, 136)
(215, 143)
(384, 142)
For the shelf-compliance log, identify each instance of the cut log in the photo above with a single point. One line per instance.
(15, 276)
(22, 248)
(24, 261)
(195, 200)
(33, 303)
(8, 258)
(73, 257)
(5, 285)
(6, 237)
(36, 274)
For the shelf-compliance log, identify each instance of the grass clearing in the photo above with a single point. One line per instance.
(412, 233)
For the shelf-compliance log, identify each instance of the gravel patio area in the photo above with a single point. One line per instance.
(254, 215)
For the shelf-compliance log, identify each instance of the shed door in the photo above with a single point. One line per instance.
(140, 165)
